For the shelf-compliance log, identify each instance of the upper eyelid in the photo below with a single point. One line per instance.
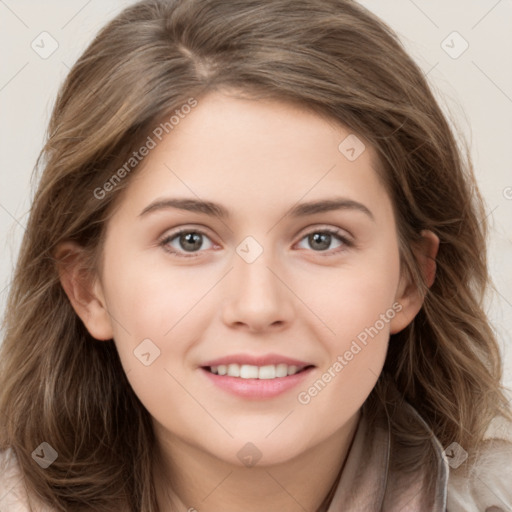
(304, 232)
(326, 227)
(174, 233)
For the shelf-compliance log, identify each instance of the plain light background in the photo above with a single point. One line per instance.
(464, 48)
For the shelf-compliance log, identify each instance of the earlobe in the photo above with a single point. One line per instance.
(408, 294)
(83, 290)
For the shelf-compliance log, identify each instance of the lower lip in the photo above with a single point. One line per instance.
(257, 388)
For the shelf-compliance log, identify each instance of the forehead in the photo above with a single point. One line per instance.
(264, 153)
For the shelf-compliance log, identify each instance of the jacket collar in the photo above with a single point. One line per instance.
(395, 462)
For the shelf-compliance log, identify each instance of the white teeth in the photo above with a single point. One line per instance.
(248, 371)
(267, 372)
(282, 370)
(234, 370)
(292, 370)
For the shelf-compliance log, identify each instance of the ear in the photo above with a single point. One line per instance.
(408, 295)
(83, 290)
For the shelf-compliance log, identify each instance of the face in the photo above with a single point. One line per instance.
(264, 278)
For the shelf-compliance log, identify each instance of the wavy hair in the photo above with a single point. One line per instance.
(60, 385)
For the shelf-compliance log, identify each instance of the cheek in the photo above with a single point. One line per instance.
(352, 298)
(357, 306)
(149, 296)
(170, 307)
(157, 320)
(356, 352)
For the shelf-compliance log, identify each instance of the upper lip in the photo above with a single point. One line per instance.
(261, 360)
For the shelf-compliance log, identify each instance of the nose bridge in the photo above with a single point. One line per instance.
(258, 298)
(252, 271)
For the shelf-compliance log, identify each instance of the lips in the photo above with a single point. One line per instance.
(256, 377)
(265, 385)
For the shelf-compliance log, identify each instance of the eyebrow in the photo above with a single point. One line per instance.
(216, 210)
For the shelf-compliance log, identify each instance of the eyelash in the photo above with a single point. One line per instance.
(334, 232)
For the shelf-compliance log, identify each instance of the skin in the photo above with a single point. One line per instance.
(257, 159)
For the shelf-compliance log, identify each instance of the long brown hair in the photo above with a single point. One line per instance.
(59, 385)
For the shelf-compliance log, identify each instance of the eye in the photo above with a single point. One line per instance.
(185, 241)
(321, 239)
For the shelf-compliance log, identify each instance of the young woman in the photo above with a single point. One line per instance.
(252, 278)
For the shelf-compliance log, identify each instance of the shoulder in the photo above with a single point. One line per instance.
(13, 494)
(486, 484)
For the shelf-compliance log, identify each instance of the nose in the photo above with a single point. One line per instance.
(257, 298)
